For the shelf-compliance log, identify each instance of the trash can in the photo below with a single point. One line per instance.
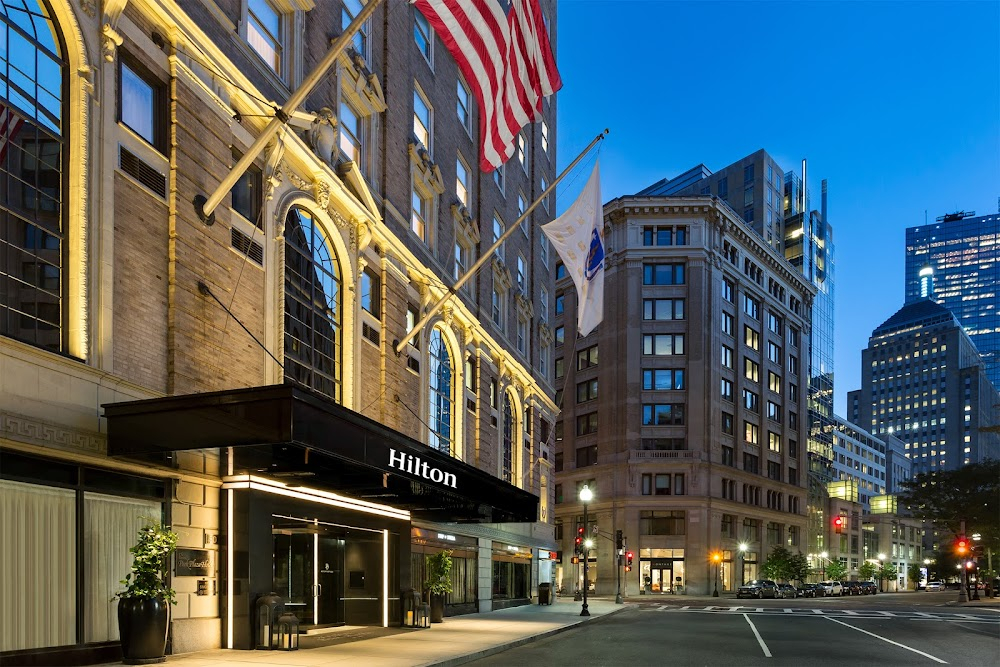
(545, 593)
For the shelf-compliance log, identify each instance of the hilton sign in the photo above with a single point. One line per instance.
(409, 463)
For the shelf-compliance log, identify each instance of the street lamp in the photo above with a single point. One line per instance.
(716, 558)
(586, 495)
(881, 565)
(743, 549)
(823, 558)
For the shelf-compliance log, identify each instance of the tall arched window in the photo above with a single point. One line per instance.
(32, 160)
(442, 389)
(312, 306)
(507, 440)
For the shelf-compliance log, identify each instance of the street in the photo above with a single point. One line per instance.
(886, 629)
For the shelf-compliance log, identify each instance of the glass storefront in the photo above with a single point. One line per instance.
(512, 573)
(464, 595)
(662, 570)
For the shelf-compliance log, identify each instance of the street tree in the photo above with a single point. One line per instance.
(913, 574)
(949, 497)
(867, 570)
(798, 567)
(778, 564)
(835, 570)
(887, 572)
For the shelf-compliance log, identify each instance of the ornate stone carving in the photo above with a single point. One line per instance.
(448, 315)
(364, 234)
(110, 41)
(89, 7)
(321, 193)
(322, 135)
(273, 169)
(28, 430)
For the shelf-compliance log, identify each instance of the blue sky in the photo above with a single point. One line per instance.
(897, 104)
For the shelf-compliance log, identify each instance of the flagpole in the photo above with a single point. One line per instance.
(206, 206)
(436, 308)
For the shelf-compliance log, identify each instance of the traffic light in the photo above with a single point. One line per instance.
(628, 561)
(575, 560)
(619, 540)
(838, 524)
(579, 537)
(961, 546)
(628, 568)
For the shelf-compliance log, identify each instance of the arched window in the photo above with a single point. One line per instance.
(507, 441)
(32, 161)
(442, 389)
(312, 306)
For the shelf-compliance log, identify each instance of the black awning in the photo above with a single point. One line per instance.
(294, 434)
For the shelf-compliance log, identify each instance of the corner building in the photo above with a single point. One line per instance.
(237, 377)
(684, 410)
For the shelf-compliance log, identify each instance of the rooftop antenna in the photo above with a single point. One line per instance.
(958, 215)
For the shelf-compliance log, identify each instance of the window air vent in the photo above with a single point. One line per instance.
(413, 364)
(244, 245)
(142, 172)
(371, 333)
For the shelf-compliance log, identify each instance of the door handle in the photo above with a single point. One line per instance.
(319, 590)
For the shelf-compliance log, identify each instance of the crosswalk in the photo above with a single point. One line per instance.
(830, 612)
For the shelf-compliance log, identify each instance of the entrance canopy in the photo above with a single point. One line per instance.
(302, 438)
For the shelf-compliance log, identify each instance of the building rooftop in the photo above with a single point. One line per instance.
(924, 311)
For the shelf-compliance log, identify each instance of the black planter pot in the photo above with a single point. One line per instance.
(437, 608)
(142, 624)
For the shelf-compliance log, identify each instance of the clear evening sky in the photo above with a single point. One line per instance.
(897, 104)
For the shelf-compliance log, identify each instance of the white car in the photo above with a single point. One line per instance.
(934, 586)
(831, 588)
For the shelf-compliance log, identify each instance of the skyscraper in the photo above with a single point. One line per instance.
(956, 262)
(924, 382)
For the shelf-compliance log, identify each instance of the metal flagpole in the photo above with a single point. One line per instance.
(489, 253)
(206, 207)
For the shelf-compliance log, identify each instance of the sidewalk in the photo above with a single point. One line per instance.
(458, 640)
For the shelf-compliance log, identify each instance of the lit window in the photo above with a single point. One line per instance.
(418, 216)
(264, 29)
(441, 376)
(462, 182)
(350, 134)
(421, 119)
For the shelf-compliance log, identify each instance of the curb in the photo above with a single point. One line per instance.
(500, 648)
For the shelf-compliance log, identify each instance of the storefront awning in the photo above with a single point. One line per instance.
(301, 437)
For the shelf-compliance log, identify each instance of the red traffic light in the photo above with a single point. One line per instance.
(962, 546)
(628, 560)
(838, 524)
(579, 530)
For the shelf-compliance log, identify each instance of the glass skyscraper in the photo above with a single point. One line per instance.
(956, 262)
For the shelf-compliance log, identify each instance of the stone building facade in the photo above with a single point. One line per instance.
(128, 323)
(690, 424)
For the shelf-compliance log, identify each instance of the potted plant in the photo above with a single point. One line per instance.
(143, 607)
(438, 583)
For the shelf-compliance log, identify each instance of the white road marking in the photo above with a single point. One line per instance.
(872, 634)
(756, 634)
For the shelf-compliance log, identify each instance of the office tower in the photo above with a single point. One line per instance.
(956, 262)
(924, 382)
(684, 411)
(239, 375)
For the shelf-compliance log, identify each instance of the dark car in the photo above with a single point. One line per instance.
(811, 591)
(758, 588)
(869, 588)
(787, 591)
(851, 587)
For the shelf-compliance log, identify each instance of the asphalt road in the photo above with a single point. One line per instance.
(884, 630)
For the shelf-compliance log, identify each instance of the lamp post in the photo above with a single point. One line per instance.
(822, 560)
(716, 558)
(881, 564)
(586, 495)
(743, 549)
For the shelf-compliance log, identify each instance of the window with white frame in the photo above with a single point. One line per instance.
(522, 336)
(423, 36)
(419, 215)
(545, 137)
(545, 202)
(464, 107)
(522, 273)
(462, 181)
(461, 260)
(359, 41)
(543, 249)
(498, 177)
(543, 305)
(422, 118)
(350, 126)
(543, 360)
(521, 154)
(507, 441)
(499, 305)
(265, 32)
(520, 212)
(498, 229)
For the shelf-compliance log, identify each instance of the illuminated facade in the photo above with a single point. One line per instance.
(956, 262)
(689, 425)
(924, 382)
(237, 377)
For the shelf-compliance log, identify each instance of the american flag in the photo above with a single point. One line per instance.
(504, 53)
(10, 123)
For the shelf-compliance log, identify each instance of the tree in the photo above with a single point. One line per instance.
(777, 564)
(799, 567)
(948, 497)
(913, 574)
(887, 572)
(866, 570)
(835, 570)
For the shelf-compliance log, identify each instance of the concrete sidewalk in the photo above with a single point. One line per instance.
(456, 641)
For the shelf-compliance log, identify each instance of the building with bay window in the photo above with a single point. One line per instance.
(236, 376)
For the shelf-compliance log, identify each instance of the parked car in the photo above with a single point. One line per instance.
(811, 591)
(787, 591)
(852, 587)
(831, 588)
(758, 588)
(869, 588)
(934, 586)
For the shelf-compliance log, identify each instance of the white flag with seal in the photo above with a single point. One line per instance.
(578, 237)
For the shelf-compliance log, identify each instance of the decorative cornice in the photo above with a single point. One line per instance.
(428, 169)
(501, 273)
(33, 431)
(466, 223)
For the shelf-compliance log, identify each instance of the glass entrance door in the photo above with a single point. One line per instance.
(309, 571)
